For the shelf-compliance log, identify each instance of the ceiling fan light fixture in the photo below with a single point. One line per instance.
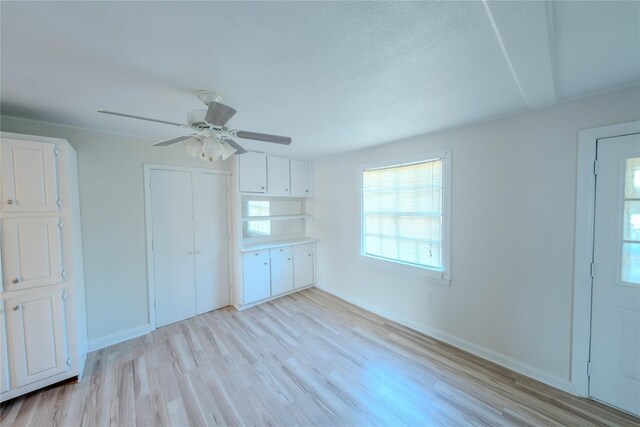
(193, 146)
(211, 149)
(227, 150)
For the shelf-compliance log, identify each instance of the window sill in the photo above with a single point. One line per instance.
(431, 276)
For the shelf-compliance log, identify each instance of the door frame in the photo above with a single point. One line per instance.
(151, 285)
(583, 253)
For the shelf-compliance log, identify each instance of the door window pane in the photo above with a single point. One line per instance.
(632, 179)
(631, 262)
(632, 220)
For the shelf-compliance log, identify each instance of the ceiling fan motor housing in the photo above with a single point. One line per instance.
(195, 119)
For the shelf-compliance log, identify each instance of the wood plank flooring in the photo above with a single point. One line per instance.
(305, 359)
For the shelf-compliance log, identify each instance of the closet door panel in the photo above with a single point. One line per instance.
(32, 252)
(211, 236)
(36, 335)
(173, 248)
(29, 181)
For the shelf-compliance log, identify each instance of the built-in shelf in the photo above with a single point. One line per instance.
(275, 217)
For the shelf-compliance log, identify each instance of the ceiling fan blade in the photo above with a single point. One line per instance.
(131, 116)
(218, 114)
(239, 149)
(172, 141)
(285, 140)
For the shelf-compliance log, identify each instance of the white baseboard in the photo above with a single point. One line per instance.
(490, 355)
(118, 337)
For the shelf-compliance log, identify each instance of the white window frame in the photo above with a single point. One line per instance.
(443, 276)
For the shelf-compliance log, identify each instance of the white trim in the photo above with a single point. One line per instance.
(585, 204)
(475, 349)
(119, 337)
(146, 169)
(241, 307)
(439, 277)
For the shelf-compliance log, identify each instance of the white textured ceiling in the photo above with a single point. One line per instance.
(334, 76)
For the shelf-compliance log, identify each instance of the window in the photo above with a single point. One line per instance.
(259, 208)
(405, 215)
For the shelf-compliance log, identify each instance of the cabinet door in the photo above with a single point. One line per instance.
(5, 385)
(29, 181)
(257, 284)
(303, 265)
(211, 236)
(300, 178)
(32, 253)
(278, 175)
(36, 335)
(281, 270)
(252, 172)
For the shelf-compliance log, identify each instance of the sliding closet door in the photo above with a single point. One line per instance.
(173, 249)
(211, 235)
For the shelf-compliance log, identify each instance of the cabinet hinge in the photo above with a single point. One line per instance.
(595, 167)
(59, 203)
(64, 295)
(589, 368)
(56, 151)
(69, 362)
(592, 270)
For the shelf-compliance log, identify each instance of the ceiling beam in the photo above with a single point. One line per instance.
(526, 37)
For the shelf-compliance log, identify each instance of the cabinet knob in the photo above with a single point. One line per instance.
(288, 259)
(190, 253)
(15, 281)
(17, 307)
(262, 188)
(309, 255)
(10, 202)
(286, 189)
(265, 263)
(197, 252)
(306, 191)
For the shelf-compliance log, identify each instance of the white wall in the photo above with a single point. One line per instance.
(113, 222)
(513, 214)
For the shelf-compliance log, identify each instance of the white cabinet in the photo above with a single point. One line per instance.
(43, 319)
(252, 172)
(5, 385)
(32, 252)
(303, 266)
(273, 175)
(300, 178)
(36, 336)
(256, 271)
(281, 270)
(29, 181)
(278, 180)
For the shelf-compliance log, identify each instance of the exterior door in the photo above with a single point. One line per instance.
(29, 181)
(36, 336)
(32, 252)
(211, 236)
(615, 330)
(173, 249)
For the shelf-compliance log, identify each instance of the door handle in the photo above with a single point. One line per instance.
(15, 281)
(10, 202)
(17, 307)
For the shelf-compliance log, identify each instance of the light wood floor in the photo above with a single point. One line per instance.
(305, 359)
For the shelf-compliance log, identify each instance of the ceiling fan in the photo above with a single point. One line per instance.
(213, 138)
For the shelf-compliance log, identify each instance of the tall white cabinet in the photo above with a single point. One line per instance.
(43, 319)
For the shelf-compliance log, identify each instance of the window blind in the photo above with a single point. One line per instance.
(402, 213)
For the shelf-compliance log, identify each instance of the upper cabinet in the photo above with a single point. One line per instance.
(278, 176)
(300, 178)
(273, 175)
(252, 172)
(29, 181)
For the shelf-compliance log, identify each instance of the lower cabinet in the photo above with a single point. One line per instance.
(276, 271)
(36, 336)
(303, 268)
(256, 272)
